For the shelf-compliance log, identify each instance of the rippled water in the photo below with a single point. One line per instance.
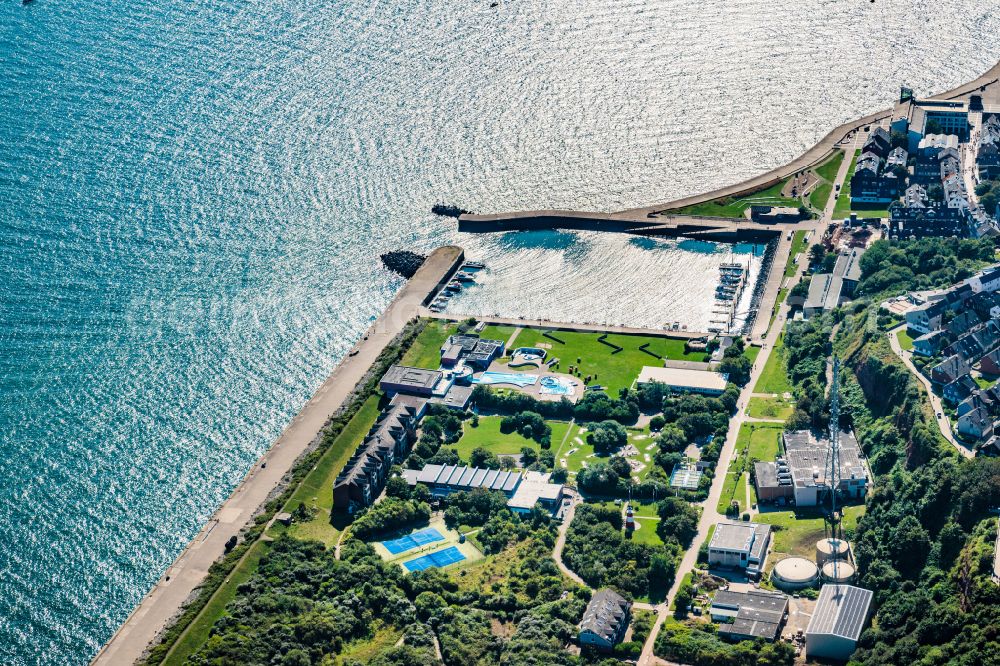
(193, 196)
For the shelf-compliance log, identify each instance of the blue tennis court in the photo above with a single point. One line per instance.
(441, 558)
(415, 540)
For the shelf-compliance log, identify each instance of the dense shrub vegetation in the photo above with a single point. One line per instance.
(598, 551)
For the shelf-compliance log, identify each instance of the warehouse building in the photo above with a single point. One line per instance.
(749, 615)
(837, 622)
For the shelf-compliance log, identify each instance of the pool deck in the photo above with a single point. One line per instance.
(534, 389)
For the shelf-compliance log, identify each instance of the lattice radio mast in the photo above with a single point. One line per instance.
(832, 471)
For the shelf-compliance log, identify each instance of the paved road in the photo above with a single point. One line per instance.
(557, 550)
(944, 423)
(168, 596)
(709, 515)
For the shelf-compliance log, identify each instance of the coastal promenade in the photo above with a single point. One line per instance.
(173, 590)
(566, 326)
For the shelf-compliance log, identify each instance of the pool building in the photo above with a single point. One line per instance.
(471, 350)
(523, 491)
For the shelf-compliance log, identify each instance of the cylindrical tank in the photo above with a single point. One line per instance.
(830, 549)
(838, 571)
(794, 573)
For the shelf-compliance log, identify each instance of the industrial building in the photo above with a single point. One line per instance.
(800, 474)
(523, 491)
(840, 615)
(606, 619)
(684, 380)
(749, 615)
(740, 546)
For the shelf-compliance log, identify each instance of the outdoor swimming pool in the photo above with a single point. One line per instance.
(506, 378)
(557, 386)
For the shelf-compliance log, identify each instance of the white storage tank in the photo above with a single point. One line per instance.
(794, 573)
(838, 571)
(830, 549)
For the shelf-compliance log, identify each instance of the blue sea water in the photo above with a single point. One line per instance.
(193, 197)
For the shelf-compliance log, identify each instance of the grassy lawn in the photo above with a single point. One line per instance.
(820, 195)
(871, 210)
(576, 453)
(498, 332)
(764, 441)
(316, 490)
(614, 371)
(828, 170)
(905, 341)
(425, 352)
(796, 532)
(985, 381)
(647, 533)
(770, 408)
(843, 207)
(197, 632)
(774, 377)
(729, 207)
(752, 352)
(488, 436)
(798, 246)
(734, 478)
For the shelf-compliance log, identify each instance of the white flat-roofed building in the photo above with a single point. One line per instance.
(685, 380)
(739, 545)
(837, 622)
(535, 488)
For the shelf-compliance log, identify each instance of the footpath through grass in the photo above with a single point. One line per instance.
(827, 173)
(798, 246)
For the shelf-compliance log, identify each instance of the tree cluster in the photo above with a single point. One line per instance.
(390, 514)
(529, 425)
(598, 551)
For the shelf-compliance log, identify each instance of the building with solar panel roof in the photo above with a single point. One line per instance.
(840, 616)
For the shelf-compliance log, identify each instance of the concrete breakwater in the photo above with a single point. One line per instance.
(727, 230)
